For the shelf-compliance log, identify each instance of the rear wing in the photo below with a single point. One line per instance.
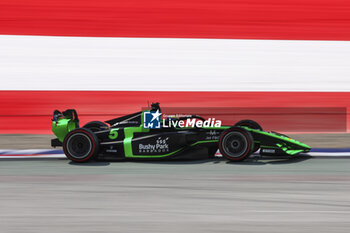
(64, 122)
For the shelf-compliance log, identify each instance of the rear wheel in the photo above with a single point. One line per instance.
(253, 125)
(236, 144)
(80, 145)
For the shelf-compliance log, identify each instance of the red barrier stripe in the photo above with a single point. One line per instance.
(250, 19)
(30, 111)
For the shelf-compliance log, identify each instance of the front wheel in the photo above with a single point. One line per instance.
(236, 144)
(80, 145)
(253, 125)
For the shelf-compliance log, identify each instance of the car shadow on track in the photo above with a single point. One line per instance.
(271, 161)
(91, 164)
(249, 161)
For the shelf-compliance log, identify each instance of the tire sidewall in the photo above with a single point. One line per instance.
(93, 140)
(253, 125)
(248, 137)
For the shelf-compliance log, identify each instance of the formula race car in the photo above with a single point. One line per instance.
(144, 135)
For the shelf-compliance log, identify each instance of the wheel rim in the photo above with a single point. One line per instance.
(235, 144)
(79, 145)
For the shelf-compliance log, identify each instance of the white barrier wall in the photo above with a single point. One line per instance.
(85, 63)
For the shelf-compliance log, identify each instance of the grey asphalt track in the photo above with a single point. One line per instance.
(294, 195)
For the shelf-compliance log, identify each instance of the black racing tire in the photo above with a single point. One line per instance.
(236, 144)
(95, 126)
(253, 125)
(81, 145)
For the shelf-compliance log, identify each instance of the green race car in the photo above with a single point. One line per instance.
(144, 135)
